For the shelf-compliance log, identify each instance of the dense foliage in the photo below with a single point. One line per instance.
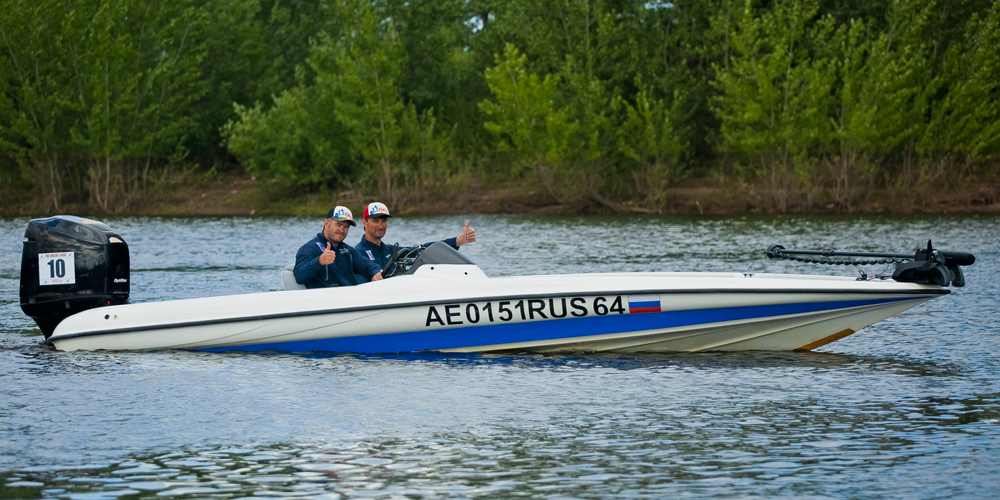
(807, 102)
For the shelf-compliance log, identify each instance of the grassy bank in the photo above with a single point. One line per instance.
(237, 193)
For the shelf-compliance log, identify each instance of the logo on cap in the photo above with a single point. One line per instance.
(375, 209)
(341, 213)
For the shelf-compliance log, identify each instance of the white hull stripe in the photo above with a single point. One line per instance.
(465, 337)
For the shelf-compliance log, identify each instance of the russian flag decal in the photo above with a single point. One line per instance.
(643, 303)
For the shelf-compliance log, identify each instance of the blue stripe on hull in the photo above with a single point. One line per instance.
(506, 333)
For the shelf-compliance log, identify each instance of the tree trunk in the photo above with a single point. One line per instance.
(387, 172)
(55, 184)
(107, 182)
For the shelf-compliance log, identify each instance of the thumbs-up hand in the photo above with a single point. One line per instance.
(328, 256)
(468, 235)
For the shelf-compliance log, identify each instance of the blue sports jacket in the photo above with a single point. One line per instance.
(380, 254)
(348, 264)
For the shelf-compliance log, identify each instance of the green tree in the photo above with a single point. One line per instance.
(667, 53)
(360, 72)
(253, 52)
(11, 151)
(879, 94)
(347, 122)
(37, 90)
(524, 118)
(138, 78)
(288, 141)
(774, 96)
(440, 71)
(964, 125)
(108, 94)
(653, 134)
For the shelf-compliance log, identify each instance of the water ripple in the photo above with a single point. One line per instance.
(908, 408)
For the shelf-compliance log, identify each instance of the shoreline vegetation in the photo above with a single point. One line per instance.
(247, 196)
(281, 107)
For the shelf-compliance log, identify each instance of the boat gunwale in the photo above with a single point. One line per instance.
(319, 312)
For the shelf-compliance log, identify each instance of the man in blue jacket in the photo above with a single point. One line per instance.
(375, 220)
(327, 261)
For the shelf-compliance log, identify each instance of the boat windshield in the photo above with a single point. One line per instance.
(439, 253)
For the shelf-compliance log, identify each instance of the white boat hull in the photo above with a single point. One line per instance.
(457, 309)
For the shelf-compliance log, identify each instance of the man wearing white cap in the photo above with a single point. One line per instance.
(327, 261)
(375, 220)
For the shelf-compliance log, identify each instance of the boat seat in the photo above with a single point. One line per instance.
(288, 278)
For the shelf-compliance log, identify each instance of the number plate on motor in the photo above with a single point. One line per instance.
(56, 269)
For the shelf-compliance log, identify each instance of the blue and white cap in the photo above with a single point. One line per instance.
(341, 213)
(375, 209)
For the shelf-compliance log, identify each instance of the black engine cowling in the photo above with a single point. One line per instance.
(71, 264)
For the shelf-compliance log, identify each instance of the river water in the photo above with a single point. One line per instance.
(909, 408)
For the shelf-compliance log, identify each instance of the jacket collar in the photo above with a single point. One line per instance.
(323, 241)
(367, 243)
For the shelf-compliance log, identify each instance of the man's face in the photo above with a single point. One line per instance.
(375, 227)
(335, 230)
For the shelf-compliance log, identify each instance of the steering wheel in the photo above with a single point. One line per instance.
(392, 260)
(402, 259)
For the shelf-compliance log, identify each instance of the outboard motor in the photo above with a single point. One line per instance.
(71, 264)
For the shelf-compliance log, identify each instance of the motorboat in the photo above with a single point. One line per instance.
(75, 285)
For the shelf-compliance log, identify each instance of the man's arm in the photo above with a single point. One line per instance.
(363, 265)
(306, 262)
(468, 236)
